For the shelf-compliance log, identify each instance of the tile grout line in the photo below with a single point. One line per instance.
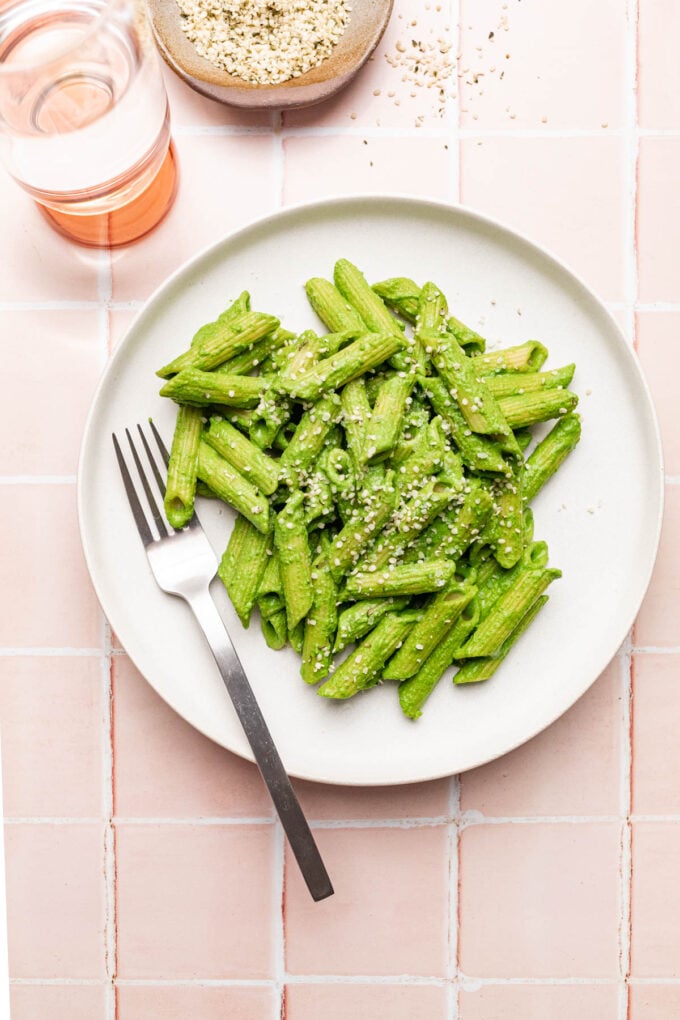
(453, 915)
(626, 666)
(467, 819)
(105, 289)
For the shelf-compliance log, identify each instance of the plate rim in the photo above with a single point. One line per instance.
(396, 199)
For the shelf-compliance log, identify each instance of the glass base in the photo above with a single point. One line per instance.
(127, 223)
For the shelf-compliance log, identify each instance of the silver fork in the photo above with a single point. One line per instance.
(184, 563)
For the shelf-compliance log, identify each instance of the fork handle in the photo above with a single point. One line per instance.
(266, 756)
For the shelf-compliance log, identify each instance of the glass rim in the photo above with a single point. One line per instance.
(6, 70)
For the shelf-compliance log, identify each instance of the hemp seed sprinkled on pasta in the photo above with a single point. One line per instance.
(265, 41)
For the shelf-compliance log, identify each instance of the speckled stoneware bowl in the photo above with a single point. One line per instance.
(367, 22)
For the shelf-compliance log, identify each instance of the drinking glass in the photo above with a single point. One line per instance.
(84, 120)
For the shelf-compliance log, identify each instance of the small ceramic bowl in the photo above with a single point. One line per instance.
(367, 22)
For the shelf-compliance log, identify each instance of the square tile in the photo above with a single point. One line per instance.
(572, 768)
(658, 623)
(352, 164)
(204, 778)
(197, 1003)
(194, 901)
(55, 900)
(539, 1002)
(65, 344)
(416, 800)
(353, 932)
(48, 600)
(225, 182)
(536, 64)
(654, 1002)
(566, 194)
(387, 92)
(39, 264)
(366, 1002)
(658, 219)
(659, 71)
(58, 1002)
(539, 900)
(51, 726)
(655, 904)
(658, 348)
(656, 708)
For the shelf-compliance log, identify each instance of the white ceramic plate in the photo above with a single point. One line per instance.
(601, 515)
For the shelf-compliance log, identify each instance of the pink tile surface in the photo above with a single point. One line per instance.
(654, 1002)
(244, 190)
(197, 1003)
(379, 1002)
(51, 729)
(322, 938)
(656, 764)
(657, 343)
(194, 901)
(550, 911)
(539, 65)
(658, 622)
(38, 264)
(47, 599)
(540, 176)
(656, 900)
(540, 1002)
(58, 1002)
(204, 778)
(658, 219)
(659, 81)
(572, 768)
(352, 164)
(189, 909)
(55, 900)
(68, 344)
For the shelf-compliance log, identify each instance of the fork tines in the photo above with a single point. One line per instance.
(163, 529)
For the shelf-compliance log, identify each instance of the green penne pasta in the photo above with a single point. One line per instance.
(495, 580)
(414, 692)
(357, 620)
(452, 473)
(236, 310)
(358, 357)
(297, 637)
(224, 341)
(401, 295)
(248, 460)
(507, 613)
(336, 313)
(242, 566)
(468, 339)
(226, 482)
(542, 464)
(531, 408)
(432, 309)
(406, 579)
(376, 507)
(270, 598)
(527, 357)
(384, 426)
(320, 625)
(275, 629)
(180, 488)
(452, 533)
(356, 413)
(474, 671)
(410, 519)
(479, 453)
(238, 416)
(425, 636)
(477, 404)
(290, 537)
(352, 284)
(523, 438)
(201, 389)
(311, 350)
(362, 668)
(516, 383)
(309, 438)
(504, 529)
(255, 355)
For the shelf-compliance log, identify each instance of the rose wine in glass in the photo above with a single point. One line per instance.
(84, 122)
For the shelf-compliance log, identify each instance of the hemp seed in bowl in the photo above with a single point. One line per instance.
(264, 42)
